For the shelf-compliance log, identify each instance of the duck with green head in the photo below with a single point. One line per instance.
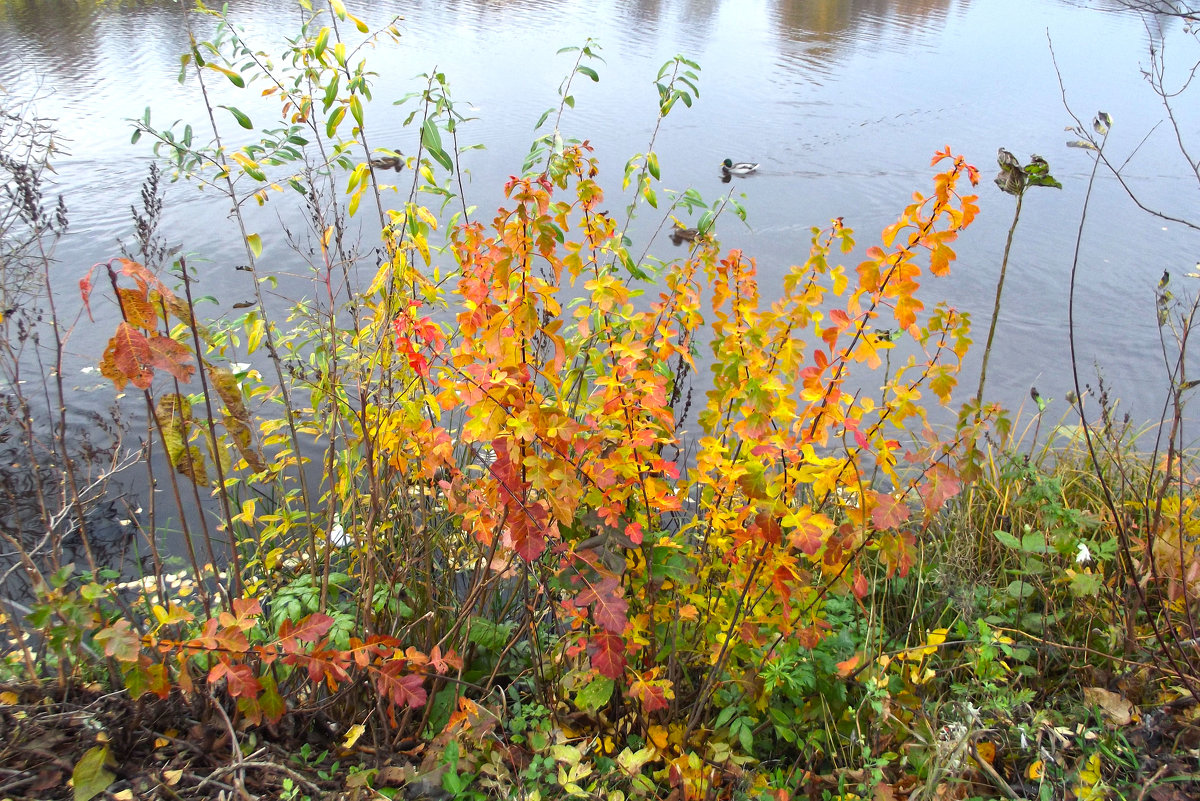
(730, 167)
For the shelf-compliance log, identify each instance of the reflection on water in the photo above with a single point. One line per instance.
(842, 101)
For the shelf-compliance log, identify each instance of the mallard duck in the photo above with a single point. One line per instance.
(682, 234)
(728, 167)
(395, 162)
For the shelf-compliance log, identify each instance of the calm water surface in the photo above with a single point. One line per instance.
(842, 101)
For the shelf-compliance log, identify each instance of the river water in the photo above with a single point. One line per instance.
(843, 102)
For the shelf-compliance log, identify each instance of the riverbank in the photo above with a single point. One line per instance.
(533, 503)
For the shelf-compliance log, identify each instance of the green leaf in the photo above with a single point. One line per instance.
(322, 42)
(588, 71)
(652, 166)
(331, 93)
(255, 243)
(241, 118)
(595, 694)
(1007, 540)
(233, 77)
(431, 139)
(1020, 590)
(91, 776)
(356, 109)
(335, 119)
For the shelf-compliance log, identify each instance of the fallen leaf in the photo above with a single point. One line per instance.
(91, 777)
(1115, 709)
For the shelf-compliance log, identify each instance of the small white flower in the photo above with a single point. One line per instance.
(1084, 556)
(337, 534)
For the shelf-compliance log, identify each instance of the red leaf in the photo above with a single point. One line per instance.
(941, 484)
(608, 607)
(888, 511)
(401, 690)
(310, 629)
(239, 679)
(652, 695)
(128, 354)
(607, 651)
(167, 354)
(85, 291)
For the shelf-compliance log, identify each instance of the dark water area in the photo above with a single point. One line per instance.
(843, 102)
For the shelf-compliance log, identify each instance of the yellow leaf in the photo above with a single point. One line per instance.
(9, 698)
(1035, 770)
(255, 243)
(172, 777)
(352, 736)
(658, 736)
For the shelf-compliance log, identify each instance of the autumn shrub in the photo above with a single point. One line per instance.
(466, 477)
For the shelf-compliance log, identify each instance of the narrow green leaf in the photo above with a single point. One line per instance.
(652, 166)
(356, 109)
(233, 77)
(335, 119)
(588, 71)
(241, 118)
(322, 42)
(331, 93)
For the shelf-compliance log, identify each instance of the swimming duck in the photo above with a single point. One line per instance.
(388, 162)
(681, 234)
(728, 167)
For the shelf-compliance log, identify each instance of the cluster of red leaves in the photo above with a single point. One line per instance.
(224, 644)
(136, 349)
